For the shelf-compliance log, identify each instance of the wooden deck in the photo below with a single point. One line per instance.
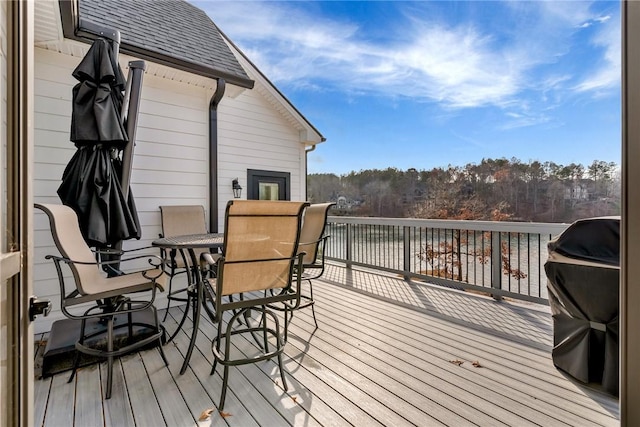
(383, 354)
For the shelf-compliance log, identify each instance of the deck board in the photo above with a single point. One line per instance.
(145, 407)
(200, 366)
(61, 403)
(169, 396)
(381, 356)
(402, 378)
(471, 386)
(511, 363)
(255, 392)
(88, 396)
(193, 392)
(117, 410)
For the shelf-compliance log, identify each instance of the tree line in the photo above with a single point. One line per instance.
(495, 189)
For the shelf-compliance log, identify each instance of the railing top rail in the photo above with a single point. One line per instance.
(501, 226)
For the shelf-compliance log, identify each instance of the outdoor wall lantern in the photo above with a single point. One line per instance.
(237, 189)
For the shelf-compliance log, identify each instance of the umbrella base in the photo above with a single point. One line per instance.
(60, 351)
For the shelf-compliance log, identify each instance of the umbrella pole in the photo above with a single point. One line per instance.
(132, 105)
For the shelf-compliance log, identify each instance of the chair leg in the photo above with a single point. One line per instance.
(161, 338)
(130, 320)
(76, 358)
(313, 304)
(265, 337)
(223, 393)
(218, 341)
(168, 295)
(109, 358)
(284, 380)
(287, 320)
(279, 344)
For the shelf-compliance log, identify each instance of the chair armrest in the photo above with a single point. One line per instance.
(325, 237)
(111, 251)
(115, 261)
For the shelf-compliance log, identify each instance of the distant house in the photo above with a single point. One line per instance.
(577, 191)
(207, 115)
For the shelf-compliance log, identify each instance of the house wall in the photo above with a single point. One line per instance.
(253, 135)
(170, 165)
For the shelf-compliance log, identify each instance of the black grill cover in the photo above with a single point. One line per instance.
(583, 271)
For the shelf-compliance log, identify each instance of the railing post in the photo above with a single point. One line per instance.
(348, 249)
(496, 263)
(406, 234)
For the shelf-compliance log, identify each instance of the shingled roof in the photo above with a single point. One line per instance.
(171, 32)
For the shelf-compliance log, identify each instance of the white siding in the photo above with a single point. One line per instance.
(253, 135)
(170, 164)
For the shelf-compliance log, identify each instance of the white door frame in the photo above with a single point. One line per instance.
(630, 232)
(16, 210)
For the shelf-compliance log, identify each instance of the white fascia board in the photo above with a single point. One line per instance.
(308, 134)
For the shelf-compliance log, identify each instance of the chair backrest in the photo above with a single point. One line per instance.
(181, 220)
(313, 225)
(68, 239)
(260, 242)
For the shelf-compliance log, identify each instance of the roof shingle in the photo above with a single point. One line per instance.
(167, 28)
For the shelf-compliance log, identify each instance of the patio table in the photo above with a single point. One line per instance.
(195, 278)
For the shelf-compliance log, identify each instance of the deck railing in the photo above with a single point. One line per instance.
(504, 259)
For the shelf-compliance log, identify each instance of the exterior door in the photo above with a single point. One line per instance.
(630, 231)
(268, 185)
(16, 115)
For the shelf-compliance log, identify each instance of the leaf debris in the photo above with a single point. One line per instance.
(456, 362)
(206, 414)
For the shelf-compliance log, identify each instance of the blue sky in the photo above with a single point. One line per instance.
(429, 84)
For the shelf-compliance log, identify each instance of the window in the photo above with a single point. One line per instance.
(268, 185)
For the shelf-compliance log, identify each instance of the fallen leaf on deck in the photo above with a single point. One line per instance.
(294, 398)
(456, 362)
(476, 364)
(225, 414)
(204, 416)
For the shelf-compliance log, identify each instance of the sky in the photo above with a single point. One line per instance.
(435, 83)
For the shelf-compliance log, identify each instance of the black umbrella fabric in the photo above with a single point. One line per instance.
(90, 186)
(91, 181)
(97, 99)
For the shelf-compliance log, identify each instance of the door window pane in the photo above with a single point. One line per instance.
(269, 191)
(268, 185)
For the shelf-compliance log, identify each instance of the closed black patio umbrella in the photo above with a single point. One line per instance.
(91, 182)
(95, 182)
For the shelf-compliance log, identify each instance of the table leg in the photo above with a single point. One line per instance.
(196, 325)
(196, 310)
(184, 318)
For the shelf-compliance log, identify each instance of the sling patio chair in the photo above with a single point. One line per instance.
(313, 242)
(179, 221)
(98, 299)
(260, 253)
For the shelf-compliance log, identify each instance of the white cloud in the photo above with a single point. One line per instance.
(607, 73)
(457, 65)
